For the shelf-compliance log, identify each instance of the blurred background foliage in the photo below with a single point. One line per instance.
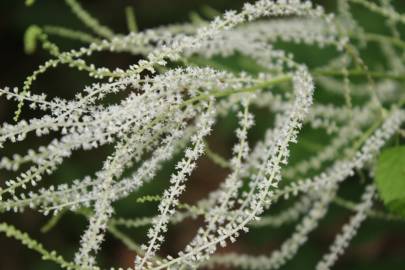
(379, 244)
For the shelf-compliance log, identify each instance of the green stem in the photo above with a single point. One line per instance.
(371, 213)
(12, 232)
(70, 34)
(368, 133)
(89, 20)
(124, 238)
(224, 93)
(52, 222)
(358, 73)
(216, 158)
(373, 37)
(131, 20)
(391, 14)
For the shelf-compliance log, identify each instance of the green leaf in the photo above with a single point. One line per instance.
(390, 179)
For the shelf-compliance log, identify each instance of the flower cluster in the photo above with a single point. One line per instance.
(169, 103)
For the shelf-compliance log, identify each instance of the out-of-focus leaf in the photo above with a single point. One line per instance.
(390, 179)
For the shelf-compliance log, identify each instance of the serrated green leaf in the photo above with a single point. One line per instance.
(390, 179)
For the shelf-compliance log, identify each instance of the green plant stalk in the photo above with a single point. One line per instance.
(131, 20)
